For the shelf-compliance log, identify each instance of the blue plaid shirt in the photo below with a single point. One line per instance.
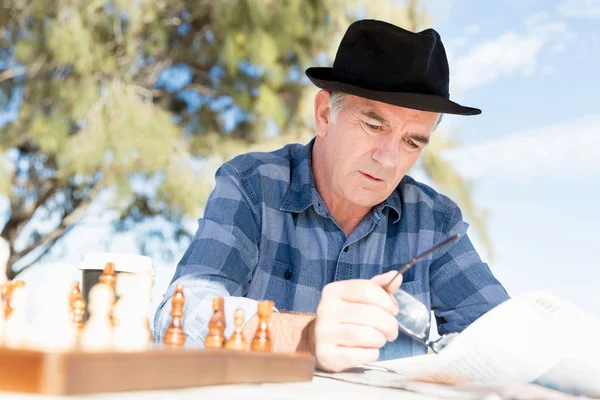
(267, 234)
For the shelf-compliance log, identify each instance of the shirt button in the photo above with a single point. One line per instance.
(288, 275)
(346, 249)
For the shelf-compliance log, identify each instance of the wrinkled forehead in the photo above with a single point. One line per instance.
(389, 114)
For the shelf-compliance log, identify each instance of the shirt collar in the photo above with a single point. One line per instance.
(302, 192)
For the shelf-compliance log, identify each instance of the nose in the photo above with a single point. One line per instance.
(387, 151)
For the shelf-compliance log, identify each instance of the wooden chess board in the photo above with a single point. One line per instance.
(79, 372)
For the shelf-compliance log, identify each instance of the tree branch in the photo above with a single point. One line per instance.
(11, 274)
(67, 221)
(12, 73)
(17, 219)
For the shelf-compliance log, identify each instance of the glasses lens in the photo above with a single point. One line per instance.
(413, 317)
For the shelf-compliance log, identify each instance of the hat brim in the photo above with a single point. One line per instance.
(322, 77)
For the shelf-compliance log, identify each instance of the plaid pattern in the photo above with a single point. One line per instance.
(267, 234)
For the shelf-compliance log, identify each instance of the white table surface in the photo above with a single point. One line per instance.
(318, 388)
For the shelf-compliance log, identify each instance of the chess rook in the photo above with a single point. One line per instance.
(237, 341)
(262, 338)
(174, 334)
(216, 326)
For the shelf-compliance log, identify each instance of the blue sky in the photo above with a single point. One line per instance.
(531, 66)
(532, 155)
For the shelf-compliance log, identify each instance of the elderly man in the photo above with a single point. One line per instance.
(320, 229)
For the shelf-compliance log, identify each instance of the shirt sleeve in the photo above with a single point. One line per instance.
(463, 287)
(219, 261)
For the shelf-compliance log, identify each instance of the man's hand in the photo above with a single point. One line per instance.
(354, 319)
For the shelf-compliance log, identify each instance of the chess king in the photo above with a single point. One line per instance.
(321, 228)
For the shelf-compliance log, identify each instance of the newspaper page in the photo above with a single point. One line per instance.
(531, 338)
(534, 338)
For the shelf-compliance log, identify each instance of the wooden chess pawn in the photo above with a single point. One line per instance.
(8, 291)
(174, 334)
(262, 338)
(109, 278)
(237, 340)
(216, 326)
(77, 314)
(109, 275)
(77, 306)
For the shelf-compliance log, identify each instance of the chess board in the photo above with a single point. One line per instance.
(78, 372)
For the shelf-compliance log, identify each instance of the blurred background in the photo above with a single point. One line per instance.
(114, 116)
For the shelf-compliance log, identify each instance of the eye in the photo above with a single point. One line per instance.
(411, 146)
(372, 127)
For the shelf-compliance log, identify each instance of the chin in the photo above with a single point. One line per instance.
(364, 198)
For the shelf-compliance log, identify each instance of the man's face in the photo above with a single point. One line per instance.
(370, 147)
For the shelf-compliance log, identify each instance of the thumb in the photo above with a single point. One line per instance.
(384, 279)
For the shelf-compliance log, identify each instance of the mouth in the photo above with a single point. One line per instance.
(371, 177)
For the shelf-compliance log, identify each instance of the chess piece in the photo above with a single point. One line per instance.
(109, 278)
(52, 328)
(174, 334)
(9, 288)
(262, 339)
(216, 326)
(77, 305)
(16, 326)
(131, 313)
(237, 340)
(109, 275)
(98, 331)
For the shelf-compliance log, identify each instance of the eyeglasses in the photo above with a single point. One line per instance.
(413, 317)
(414, 320)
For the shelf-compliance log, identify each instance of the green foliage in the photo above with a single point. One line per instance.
(95, 114)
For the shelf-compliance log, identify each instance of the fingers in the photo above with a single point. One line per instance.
(365, 292)
(343, 358)
(384, 280)
(354, 319)
(371, 316)
(351, 335)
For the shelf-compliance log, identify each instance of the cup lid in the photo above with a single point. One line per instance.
(124, 262)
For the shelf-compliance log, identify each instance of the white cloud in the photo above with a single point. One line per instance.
(580, 8)
(559, 151)
(509, 54)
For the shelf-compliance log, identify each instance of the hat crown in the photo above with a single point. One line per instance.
(387, 57)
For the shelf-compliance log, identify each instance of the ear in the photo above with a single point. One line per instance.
(322, 112)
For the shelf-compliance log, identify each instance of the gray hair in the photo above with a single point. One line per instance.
(336, 101)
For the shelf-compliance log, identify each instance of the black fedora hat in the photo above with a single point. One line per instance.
(382, 62)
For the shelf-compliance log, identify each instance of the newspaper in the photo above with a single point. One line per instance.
(524, 345)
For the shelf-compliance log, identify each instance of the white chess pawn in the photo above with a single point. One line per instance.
(131, 313)
(98, 331)
(52, 329)
(16, 326)
(131, 333)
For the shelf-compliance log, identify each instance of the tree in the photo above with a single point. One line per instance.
(140, 100)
